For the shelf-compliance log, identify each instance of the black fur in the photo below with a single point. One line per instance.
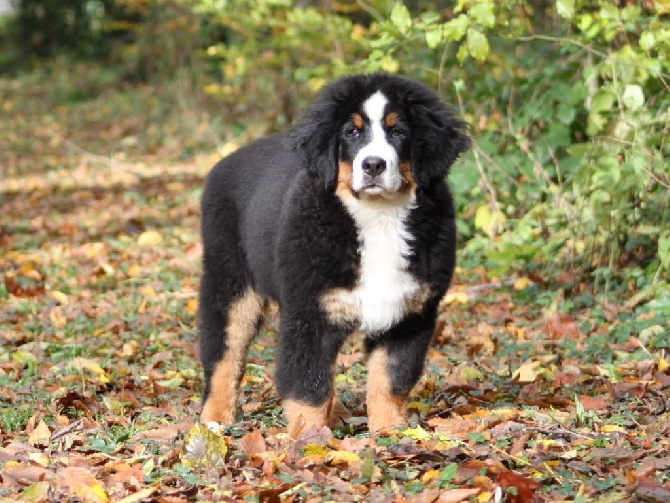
(272, 221)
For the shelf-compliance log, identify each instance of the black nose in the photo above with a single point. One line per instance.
(373, 166)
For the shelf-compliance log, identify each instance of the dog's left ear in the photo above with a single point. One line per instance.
(316, 136)
(438, 137)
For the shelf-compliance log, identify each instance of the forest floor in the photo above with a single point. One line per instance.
(528, 395)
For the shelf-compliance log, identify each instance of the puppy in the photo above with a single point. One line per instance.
(347, 223)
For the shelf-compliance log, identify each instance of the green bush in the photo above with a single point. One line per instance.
(568, 103)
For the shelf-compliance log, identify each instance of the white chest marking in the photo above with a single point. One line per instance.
(385, 285)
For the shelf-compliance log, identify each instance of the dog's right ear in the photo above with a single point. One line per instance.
(316, 136)
(316, 143)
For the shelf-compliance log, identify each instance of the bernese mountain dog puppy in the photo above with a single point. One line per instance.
(347, 223)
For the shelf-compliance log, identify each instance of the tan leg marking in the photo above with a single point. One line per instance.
(384, 408)
(301, 416)
(243, 316)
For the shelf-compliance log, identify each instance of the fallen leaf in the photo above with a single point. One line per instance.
(203, 449)
(60, 297)
(83, 484)
(36, 493)
(524, 487)
(41, 435)
(457, 495)
(456, 298)
(342, 457)
(140, 495)
(91, 366)
(149, 238)
(253, 443)
(593, 402)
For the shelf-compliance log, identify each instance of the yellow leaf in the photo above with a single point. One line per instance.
(192, 306)
(422, 408)
(39, 491)
(663, 365)
(149, 238)
(91, 366)
(203, 448)
(342, 457)
(430, 475)
(172, 383)
(571, 454)
(484, 497)
(24, 357)
(469, 373)
(612, 428)
(83, 484)
(490, 221)
(417, 433)
(522, 283)
(148, 292)
(60, 297)
(315, 450)
(41, 435)
(456, 298)
(528, 372)
(134, 270)
(662, 6)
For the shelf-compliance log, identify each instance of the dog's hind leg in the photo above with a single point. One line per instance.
(225, 334)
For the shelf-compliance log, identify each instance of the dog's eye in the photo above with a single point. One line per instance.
(354, 132)
(397, 134)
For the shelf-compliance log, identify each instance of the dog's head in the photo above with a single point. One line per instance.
(378, 135)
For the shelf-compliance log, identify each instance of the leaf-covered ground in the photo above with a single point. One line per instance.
(528, 396)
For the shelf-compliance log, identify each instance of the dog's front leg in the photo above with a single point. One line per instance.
(308, 347)
(395, 364)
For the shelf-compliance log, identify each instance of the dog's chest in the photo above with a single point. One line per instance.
(385, 285)
(385, 291)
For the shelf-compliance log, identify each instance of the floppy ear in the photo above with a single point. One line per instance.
(316, 136)
(438, 137)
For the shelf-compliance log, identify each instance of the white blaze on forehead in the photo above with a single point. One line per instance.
(390, 180)
(374, 109)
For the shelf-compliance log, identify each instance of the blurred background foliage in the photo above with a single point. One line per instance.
(567, 99)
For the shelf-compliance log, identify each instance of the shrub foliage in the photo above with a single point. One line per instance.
(567, 99)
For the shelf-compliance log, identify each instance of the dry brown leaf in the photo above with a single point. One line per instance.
(82, 483)
(593, 402)
(457, 495)
(41, 435)
(253, 443)
(524, 487)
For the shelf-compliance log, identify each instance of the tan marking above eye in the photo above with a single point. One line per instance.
(391, 119)
(357, 119)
